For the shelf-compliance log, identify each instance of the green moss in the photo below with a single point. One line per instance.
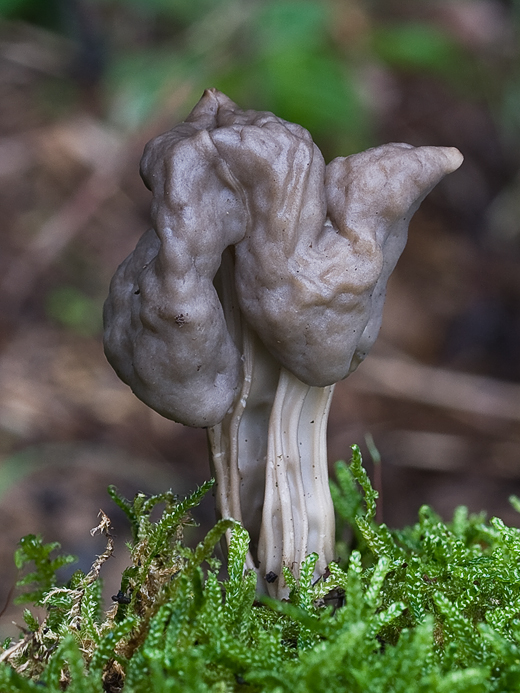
(433, 607)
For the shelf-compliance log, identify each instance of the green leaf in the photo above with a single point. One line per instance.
(298, 24)
(72, 308)
(10, 8)
(416, 46)
(127, 507)
(358, 472)
(31, 549)
(30, 620)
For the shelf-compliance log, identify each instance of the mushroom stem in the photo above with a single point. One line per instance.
(274, 437)
(298, 517)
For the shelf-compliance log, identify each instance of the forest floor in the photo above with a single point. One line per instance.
(440, 395)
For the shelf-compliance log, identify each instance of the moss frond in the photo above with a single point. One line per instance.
(434, 607)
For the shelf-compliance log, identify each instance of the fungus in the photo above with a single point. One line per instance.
(260, 285)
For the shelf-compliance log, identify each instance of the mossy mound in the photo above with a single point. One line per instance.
(434, 607)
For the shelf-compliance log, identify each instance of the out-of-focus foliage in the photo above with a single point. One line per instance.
(415, 47)
(316, 62)
(73, 309)
(280, 56)
(326, 64)
(309, 61)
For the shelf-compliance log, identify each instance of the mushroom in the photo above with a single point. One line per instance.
(260, 285)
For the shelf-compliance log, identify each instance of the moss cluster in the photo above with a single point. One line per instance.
(434, 607)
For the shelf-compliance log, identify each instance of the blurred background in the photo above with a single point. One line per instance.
(84, 84)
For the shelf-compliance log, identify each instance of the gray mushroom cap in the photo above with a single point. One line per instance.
(314, 246)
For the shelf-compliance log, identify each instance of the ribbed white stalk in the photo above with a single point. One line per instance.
(269, 457)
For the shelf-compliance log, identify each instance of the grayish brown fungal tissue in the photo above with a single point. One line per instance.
(259, 286)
